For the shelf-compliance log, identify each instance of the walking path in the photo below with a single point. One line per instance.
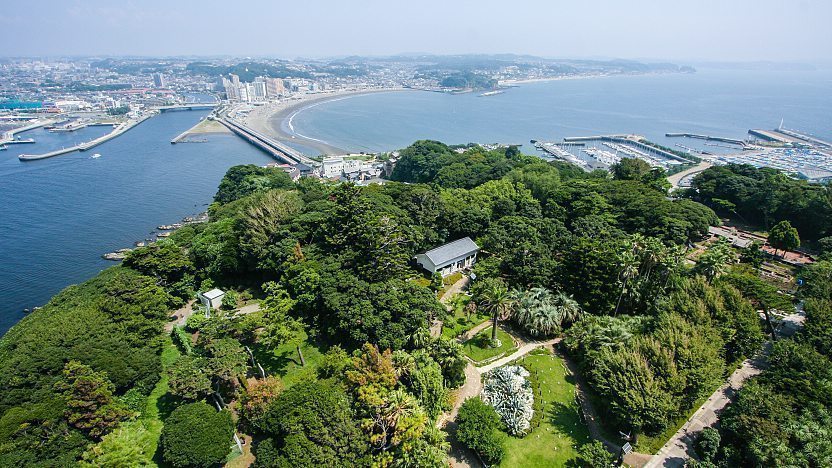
(522, 351)
(680, 447)
(455, 289)
(179, 317)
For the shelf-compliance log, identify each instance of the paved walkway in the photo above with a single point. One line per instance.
(474, 331)
(680, 447)
(522, 351)
(455, 289)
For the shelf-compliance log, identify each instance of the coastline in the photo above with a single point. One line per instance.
(270, 118)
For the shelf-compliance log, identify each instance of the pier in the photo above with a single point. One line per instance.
(633, 140)
(557, 152)
(732, 141)
(191, 106)
(8, 137)
(90, 144)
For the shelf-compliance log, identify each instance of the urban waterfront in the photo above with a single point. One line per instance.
(59, 215)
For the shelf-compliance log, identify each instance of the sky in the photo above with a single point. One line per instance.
(678, 30)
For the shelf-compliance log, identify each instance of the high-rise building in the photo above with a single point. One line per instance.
(159, 80)
(235, 79)
(274, 88)
(258, 91)
(232, 92)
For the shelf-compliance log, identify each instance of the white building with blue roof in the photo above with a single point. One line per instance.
(447, 259)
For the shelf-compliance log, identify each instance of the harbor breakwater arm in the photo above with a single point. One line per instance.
(92, 143)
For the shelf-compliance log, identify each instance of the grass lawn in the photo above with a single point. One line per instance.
(285, 363)
(478, 348)
(459, 323)
(555, 436)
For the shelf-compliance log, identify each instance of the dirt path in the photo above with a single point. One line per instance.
(680, 447)
(179, 317)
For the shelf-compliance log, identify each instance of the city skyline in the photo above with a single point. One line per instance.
(740, 31)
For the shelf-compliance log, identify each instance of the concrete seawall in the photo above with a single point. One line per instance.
(90, 144)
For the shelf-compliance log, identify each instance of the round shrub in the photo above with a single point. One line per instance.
(197, 435)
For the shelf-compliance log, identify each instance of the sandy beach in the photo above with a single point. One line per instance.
(270, 118)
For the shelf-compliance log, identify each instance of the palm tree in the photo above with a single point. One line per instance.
(570, 311)
(629, 271)
(499, 302)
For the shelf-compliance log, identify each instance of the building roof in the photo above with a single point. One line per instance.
(213, 294)
(452, 250)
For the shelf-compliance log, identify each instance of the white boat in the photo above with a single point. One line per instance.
(95, 156)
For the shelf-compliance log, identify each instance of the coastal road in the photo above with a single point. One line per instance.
(675, 179)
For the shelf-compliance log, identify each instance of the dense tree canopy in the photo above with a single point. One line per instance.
(765, 196)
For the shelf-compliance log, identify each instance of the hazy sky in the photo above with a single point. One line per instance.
(747, 30)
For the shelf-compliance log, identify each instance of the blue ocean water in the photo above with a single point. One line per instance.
(57, 216)
(714, 102)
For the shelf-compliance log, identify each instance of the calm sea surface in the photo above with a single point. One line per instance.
(720, 103)
(57, 216)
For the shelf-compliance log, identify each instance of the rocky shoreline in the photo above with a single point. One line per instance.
(164, 230)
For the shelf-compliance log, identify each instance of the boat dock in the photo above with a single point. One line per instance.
(559, 153)
(635, 141)
(124, 127)
(8, 137)
(732, 141)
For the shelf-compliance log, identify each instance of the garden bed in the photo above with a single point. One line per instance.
(479, 349)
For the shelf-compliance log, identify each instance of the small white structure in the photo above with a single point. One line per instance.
(450, 258)
(212, 298)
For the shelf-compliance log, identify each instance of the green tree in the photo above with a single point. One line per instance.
(714, 262)
(90, 404)
(784, 237)
(315, 426)
(127, 447)
(595, 455)
(197, 435)
(189, 378)
(478, 427)
(226, 359)
(279, 327)
(707, 444)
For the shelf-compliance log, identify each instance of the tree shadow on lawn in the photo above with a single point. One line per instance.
(565, 418)
(285, 359)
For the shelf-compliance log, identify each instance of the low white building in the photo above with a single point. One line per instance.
(332, 167)
(449, 258)
(212, 298)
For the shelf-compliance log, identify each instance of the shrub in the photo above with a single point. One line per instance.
(230, 300)
(197, 435)
(508, 390)
(707, 444)
(479, 429)
(595, 455)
